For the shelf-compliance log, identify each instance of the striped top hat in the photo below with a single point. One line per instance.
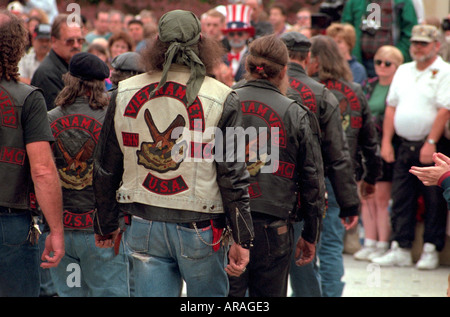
(238, 19)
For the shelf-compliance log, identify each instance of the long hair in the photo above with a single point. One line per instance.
(267, 57)
(331, 64)
(13, 40)
(208, 50)
(74, 87)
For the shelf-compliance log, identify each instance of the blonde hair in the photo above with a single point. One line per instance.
(391, 53)
(343, 30)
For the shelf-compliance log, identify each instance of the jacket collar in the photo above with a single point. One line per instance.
(296, 67)
(58, 61)
(261, 83)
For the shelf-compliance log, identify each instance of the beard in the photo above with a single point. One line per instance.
(237, 44)
(423, 58)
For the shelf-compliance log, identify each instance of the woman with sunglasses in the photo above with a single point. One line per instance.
(374, 209)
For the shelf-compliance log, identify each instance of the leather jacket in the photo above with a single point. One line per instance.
(359, 128)
(294, 188)
(336, 157)
(232, 177)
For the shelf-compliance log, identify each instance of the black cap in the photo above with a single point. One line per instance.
(296, 41)
(87, 66)
(128, 61)
(42, 31)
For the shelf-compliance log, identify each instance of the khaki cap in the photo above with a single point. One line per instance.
(424, 33)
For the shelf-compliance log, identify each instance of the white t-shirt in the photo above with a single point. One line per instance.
(28, 64)
(417, 96)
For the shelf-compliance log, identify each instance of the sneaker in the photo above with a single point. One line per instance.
(377, 253)
(364, 253)
(381, 249)
(429, 260)
(396, 256)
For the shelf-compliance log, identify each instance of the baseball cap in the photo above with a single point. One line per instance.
(42, 31)
(424, 33)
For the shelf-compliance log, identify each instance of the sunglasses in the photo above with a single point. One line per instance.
(232, 34)
(71, 41)
(422, 44)
(378, 62)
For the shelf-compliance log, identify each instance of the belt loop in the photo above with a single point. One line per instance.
(5, 210)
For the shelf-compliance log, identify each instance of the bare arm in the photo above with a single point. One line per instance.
(387, 150)
(427, 150)
(49, 196)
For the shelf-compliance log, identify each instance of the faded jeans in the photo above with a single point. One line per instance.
(19, 260)
(90, 271)
(304, 280)
(325, 279)
(165, 254)
(331, 247)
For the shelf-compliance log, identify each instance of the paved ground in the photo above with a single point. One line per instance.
(364, 279)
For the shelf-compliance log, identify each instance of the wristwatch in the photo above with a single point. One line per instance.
(431, 141)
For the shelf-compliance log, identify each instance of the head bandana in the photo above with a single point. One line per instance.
(182, 29)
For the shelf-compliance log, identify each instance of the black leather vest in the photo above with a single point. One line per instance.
(76, 129)
(16, 186)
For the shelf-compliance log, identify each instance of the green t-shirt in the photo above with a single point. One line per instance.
(377, 101)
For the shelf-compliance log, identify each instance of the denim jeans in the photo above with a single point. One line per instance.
(19, 260)
(164, 254)
(47, 286)
(330, 249)
(267, 272)
(89, 271)
(304, 280)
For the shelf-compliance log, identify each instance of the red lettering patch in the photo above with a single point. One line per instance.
(201, 150)
(307, 95)
(356, 122)
(7, 110)
(165, 186)
(348, 93)
(130, 139)
(77, 121)
(12, 155)
(171, 90)
(270, 116)
(285, 170)
(352, 100)
(78, 221)
(254, 190)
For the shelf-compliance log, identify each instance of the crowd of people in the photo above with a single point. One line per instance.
(345, 124)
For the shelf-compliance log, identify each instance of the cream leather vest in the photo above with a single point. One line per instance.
(162, 168)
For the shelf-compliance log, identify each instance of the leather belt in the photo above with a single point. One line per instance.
(199, 224)
(7, 210)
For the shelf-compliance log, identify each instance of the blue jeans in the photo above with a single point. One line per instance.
(164, 254)
(19, 260)
(304, 280)
(89, 271)
(330, 250)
